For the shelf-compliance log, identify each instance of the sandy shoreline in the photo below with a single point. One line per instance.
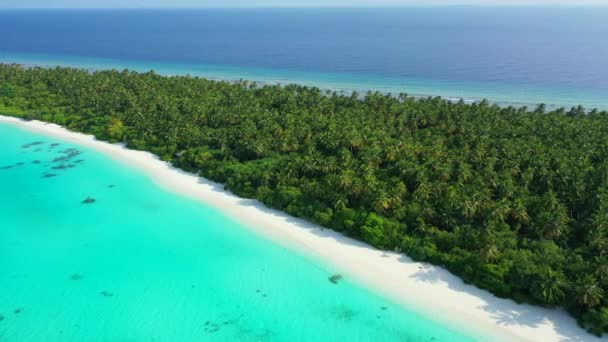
(423, 287)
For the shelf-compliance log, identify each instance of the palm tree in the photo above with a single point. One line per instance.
(490, 253)
(540, 109)
(552, 287)
(481, 183)
(587, 292)
(601, 267)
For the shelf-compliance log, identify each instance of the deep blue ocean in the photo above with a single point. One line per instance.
(558, 56)
(92, 249)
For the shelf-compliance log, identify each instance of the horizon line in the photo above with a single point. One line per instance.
(506, 5)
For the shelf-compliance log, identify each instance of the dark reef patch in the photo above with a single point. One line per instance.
(335, 279)
(32, 144)
(76, 277)
(36, 162)
(55, 145)
(344, 314)
(68, 154)
(63, 167)
(111, 186)
(89, 200)
(18, 311)
(49, 175)
(106, 294)
(211, 327)
(8, 167)
(263, 294)
(1, 318)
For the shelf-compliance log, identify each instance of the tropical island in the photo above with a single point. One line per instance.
(512, 200)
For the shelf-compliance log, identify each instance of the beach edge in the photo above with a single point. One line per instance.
(421, 286)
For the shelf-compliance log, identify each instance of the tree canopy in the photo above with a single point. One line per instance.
(513, 200)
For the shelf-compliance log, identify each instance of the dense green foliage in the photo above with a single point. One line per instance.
(511, 200)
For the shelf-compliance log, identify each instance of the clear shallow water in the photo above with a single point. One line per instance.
(509, 55)
(143, 264)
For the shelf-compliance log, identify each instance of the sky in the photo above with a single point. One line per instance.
(274, 3)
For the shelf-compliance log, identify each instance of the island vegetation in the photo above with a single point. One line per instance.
(513, 200)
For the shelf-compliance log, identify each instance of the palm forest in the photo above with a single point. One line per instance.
(512, 200)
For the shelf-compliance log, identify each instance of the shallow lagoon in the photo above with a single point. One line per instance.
(94, 250)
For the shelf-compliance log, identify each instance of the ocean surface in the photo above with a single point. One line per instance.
(93, 250)
(512, 56)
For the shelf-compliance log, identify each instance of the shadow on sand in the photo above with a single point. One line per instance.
(504, 312)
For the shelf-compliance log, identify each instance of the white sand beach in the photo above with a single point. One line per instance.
(423, 287)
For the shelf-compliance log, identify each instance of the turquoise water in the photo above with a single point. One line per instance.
(138, 263)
